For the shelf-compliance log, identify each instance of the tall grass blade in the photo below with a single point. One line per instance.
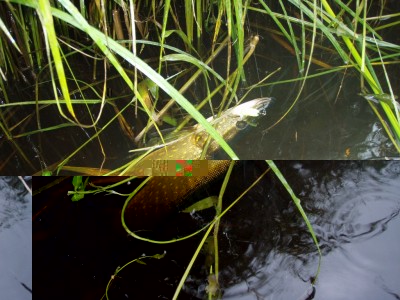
(44, 11)
(3, 28)
(297, 202)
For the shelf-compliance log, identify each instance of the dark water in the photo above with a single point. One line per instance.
(15, 239)
(354, 209)
(265, 250)
(329, 120)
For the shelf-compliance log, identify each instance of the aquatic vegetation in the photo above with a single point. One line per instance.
(88, 71)
(142, 211)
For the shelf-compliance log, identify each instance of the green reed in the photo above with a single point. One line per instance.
(352, 38)
(38, 38)
(47, 42)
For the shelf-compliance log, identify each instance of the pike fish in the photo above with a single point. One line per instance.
(190, 146)
(163, 194)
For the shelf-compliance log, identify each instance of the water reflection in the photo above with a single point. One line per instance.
(354, 209)
(15, 238)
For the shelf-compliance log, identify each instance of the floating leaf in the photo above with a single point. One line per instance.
(202, 204)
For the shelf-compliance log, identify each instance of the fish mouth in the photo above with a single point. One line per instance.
(261, 104)
(253, 108)
(248, 113)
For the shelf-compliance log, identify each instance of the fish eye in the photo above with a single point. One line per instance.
(240, 125)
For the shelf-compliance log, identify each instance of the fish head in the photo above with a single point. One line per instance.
(247, 113)
(233, 121)
(251, 109)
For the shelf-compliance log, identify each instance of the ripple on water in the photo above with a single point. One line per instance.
(354, 208)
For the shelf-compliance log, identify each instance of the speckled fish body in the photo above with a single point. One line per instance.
(191, 146)
(163, 194)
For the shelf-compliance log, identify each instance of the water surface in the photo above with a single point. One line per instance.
(265, 249)
(15, 239)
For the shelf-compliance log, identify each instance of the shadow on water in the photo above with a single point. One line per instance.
(265, 250)
(15, 239)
